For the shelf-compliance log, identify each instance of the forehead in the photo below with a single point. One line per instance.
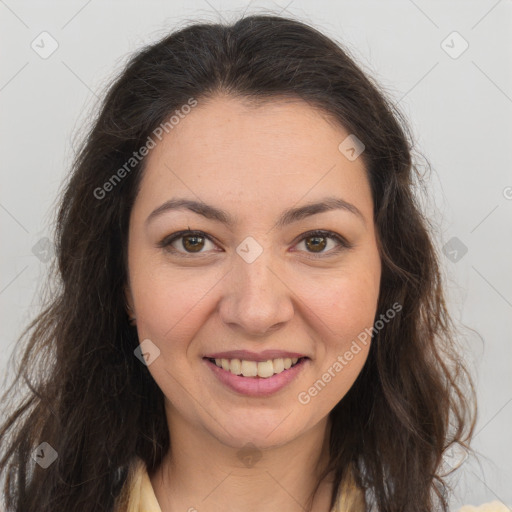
(227, 149)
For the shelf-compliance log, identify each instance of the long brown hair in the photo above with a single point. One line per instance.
(93, 401)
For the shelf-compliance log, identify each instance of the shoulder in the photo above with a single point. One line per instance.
(493, 506)
(137, 494)
(350, 498)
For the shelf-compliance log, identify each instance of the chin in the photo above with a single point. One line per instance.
(262, 429)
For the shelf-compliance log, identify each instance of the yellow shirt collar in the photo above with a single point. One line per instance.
(142, 496)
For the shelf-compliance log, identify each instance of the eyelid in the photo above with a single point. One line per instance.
(326, 233)
(168, 240)
(343, 243)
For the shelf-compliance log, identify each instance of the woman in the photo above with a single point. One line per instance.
(250, 313)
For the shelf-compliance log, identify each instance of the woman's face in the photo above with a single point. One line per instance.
(255, 279)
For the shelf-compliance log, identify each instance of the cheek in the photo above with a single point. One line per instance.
(345, 313)
(171, 305)
(347, 304)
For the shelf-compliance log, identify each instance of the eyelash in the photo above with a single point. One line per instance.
(343, 244)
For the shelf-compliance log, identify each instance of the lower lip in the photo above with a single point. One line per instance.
(257, 386)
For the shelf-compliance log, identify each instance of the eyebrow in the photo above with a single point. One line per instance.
(287, 217)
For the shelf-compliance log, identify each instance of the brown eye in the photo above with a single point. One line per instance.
(185, 243)
(316, 243)
(193, 243)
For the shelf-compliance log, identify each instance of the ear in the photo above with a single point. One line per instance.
(129, 301)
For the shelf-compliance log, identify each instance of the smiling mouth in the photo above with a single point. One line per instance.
(262, 369)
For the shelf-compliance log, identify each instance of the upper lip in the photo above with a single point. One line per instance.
(265, 355)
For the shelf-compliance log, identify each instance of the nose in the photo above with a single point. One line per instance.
(256, 299)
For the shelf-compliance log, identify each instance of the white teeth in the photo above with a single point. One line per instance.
(278, 365)
(235, 366)
(264, 369)
(249, 368)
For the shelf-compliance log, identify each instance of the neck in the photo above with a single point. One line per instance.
(201, 473)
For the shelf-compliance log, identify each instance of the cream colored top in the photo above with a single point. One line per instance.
(138, 496)
(141, 495)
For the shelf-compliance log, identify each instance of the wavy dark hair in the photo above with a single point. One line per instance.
(99, 407)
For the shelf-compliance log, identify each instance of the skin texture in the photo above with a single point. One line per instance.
(253, 162)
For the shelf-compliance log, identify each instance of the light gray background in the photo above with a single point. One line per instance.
(460, 110)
